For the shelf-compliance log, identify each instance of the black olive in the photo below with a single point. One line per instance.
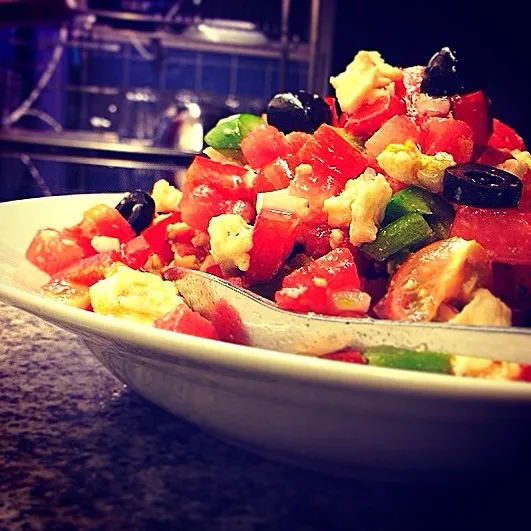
(447, 74)
(298, 111)
(482, 186)
(138, 208)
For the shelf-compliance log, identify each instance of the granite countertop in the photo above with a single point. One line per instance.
(79, 450)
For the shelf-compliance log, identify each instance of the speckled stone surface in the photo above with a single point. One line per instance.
(78, 450)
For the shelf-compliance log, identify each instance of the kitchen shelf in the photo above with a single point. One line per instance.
(104, 149)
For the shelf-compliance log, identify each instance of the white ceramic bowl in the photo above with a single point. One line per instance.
(335, 417)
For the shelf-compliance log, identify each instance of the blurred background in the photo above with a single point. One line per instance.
(109, 95)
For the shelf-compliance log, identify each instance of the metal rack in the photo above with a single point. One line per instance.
(96, 29)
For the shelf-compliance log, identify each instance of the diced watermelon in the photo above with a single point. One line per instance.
(103, 220)
(69, 293)
(296, 140)
(331, 151)
(347, 356)
(315, 237)
(203, 203)
(450, 136)
(371, 116)
(212, 188)
(51, 250)
(274, 236)
(505, 137)
(264, 145)
(475, 109)
(396, 130)
(228, 323)
(315, 287)
(90, 270)
(183, 319)
(334, 160)
(274, 176)
(504, 233)
(492, 156)
(227, 179)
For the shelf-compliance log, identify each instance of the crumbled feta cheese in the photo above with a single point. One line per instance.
(361, 204)
(105, 243)
(405, 163)
(337, 238)
(176, 230)
(522, 156)
(166, 196)
(519, 165)
(484, 309)
(484, 368)
(134, 295)
(363, 79)
(284, 201)
(514, 166)
(320, 282)
(230, 241)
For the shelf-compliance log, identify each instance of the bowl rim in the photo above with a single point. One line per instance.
(173, 346)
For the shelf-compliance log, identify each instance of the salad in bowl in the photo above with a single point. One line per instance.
(400, 198)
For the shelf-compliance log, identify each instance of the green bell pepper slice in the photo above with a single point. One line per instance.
(407, 231)
(416, 199)
(399, 358)
(229, 132)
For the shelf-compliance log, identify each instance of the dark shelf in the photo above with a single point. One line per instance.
(82, 148)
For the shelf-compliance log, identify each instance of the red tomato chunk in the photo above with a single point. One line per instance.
(329, 286)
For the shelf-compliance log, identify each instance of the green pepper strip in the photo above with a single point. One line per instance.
(406, 231)
(415, 199)
(229, 132)
(398, 358)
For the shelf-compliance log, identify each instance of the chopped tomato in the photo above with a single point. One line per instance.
(264, 145)
(332, 103)
(212, 268)
(505, 137)
(52, 250)
(136, 252)
(212, 188)
(330, 285)
(102, 220)
(444, 271)
(228, 324)
(315, 237)
(66, 292)
(371, 116)
(449, 135)
(348, 356)
(183, 319)
(296, 140)
(492, 156)
(505, 234)
(525, 373)
(330, 151)
(156, 236)
(396, 130)
(274, 176)
(227, 180)
(274, 236)
(89, 270)
(474, 109)
(203, 203)
(334, 159)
